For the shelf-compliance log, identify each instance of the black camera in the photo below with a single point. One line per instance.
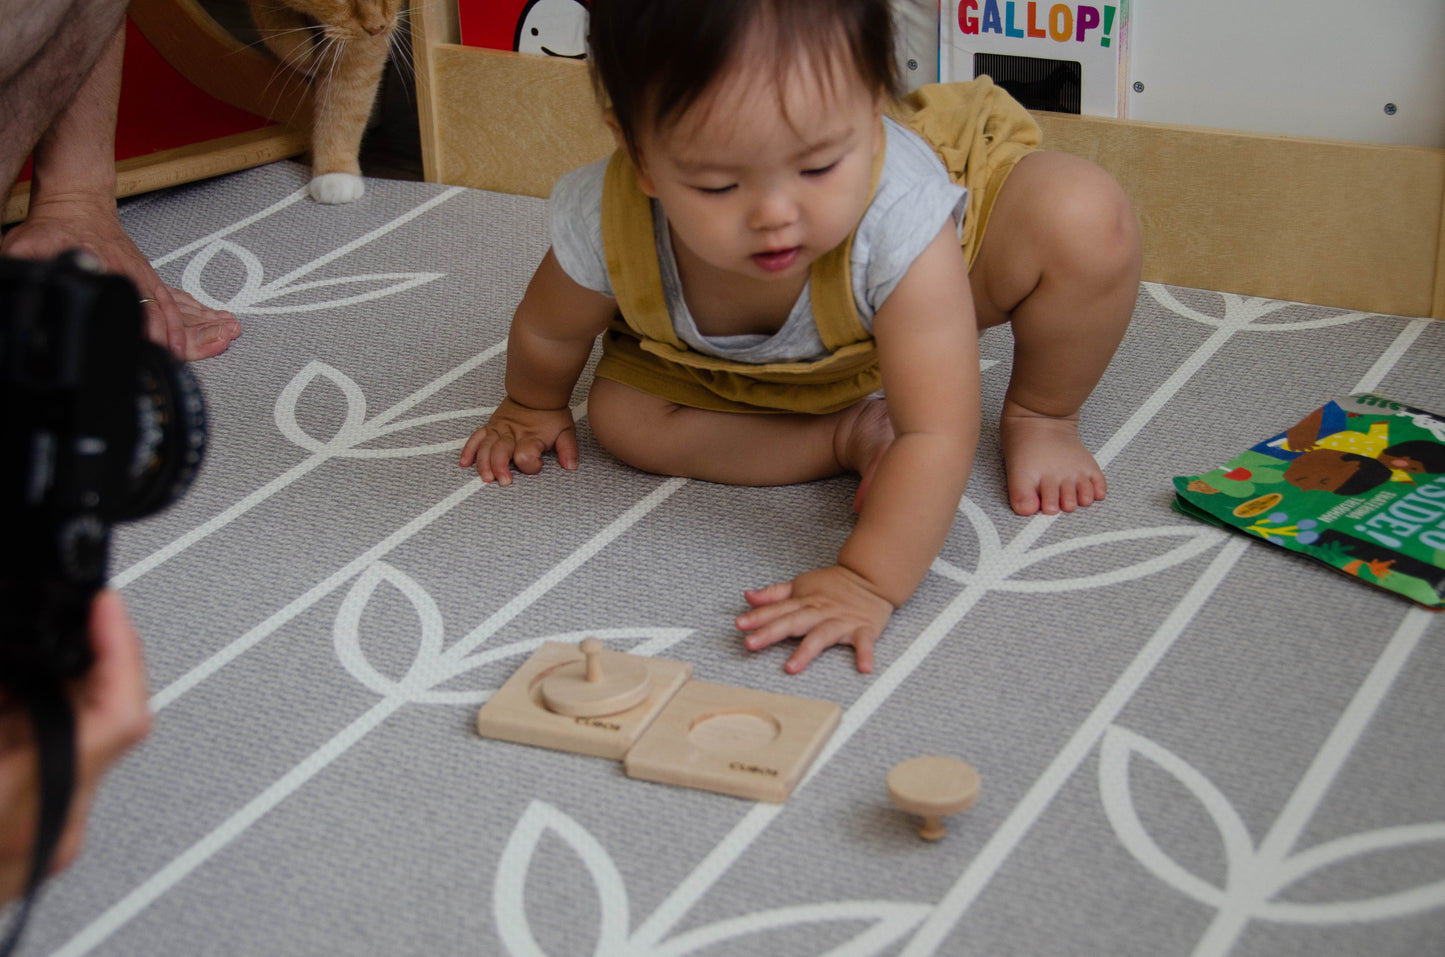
(100, 426)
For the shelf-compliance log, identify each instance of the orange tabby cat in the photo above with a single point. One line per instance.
(342, 45)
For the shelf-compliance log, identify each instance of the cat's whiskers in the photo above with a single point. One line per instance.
(341, 49)
(402, 58)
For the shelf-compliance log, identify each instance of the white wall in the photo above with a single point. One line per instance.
(1304, 67)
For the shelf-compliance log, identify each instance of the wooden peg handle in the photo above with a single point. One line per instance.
(592, 648)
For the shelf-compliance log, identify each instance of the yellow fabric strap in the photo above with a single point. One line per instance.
(979, 132)
(629, 243)
(626, 234)
(643, 350)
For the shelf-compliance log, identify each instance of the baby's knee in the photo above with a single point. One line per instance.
(602, 415)
(616, 418)
(1097, 227)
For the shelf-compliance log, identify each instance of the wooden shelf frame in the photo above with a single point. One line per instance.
(1351, 225)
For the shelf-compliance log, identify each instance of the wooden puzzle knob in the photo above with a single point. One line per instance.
(602, 683)
(591, 649)
(933, 787)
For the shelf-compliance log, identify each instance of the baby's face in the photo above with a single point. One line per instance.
(764, 174)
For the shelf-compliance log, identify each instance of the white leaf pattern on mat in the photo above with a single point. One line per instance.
(1241, 311)
(1253, 879)
(1115, 753)
(352, 429)
(887, 922)
(355, 430)
(509, 903)
(255, 291)
(433, 663)
(997, 567)
(1383, 907)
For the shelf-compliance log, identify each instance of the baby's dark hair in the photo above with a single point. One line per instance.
(653, 59)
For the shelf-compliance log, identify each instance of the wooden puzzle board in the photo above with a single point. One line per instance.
(738, 741)
(516, 712)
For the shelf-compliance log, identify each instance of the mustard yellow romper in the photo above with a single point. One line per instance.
(977, 130)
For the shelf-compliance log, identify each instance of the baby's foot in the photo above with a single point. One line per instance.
(860, 443)
(1048, 468)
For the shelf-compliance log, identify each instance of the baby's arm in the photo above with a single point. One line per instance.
(547, 347)
(928, 350)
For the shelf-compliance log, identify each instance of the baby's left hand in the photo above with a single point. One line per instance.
(826, 607)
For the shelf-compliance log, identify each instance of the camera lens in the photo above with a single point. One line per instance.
(170, 417)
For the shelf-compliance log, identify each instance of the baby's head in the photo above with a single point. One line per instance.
(653, 60)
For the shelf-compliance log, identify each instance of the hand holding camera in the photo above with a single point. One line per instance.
(98, 426)
(111, 716)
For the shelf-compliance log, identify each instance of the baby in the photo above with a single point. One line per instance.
(767, 250)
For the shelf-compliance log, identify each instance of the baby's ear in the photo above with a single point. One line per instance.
(644, 178)
(639, 164)
(609, 116)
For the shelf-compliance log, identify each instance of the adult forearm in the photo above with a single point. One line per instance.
(76, 155)
(48, 50)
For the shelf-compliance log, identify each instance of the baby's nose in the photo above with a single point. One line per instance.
(774, 209)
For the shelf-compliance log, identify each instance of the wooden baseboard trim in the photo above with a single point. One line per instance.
(187, 163)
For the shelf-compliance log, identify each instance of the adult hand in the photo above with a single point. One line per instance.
(174, 318)
(111, 716)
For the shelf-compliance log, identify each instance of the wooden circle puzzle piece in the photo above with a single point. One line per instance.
(600, 684)
(932, 787)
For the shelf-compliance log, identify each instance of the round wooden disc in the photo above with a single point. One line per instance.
(933, 786)
(624, 684)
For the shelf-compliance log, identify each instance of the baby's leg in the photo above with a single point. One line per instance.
(1060, 261)
(735, 448)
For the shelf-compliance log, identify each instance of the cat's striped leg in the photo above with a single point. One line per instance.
(345, 91)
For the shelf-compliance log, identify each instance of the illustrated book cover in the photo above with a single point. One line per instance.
(1358, 484)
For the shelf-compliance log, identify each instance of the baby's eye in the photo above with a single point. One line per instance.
(821, 170)
(715, 190)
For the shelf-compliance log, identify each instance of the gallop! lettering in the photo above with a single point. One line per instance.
(1063, 22)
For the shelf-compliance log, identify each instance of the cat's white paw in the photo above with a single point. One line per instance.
(337, 188)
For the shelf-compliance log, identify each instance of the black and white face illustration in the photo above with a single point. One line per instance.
(553, 28)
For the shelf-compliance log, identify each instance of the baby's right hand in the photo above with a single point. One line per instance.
(517, 435)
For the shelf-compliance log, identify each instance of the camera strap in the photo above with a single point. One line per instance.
(54, 725)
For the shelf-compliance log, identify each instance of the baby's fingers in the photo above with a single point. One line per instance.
(469, 448)
(566, 447)
(825, 635)
(527, 455)
(759, 597)
(833, 633)
(774, 623)
(494, 459)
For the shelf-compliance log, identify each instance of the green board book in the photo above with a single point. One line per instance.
(1358, 484)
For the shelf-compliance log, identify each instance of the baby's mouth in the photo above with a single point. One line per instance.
(775, 260)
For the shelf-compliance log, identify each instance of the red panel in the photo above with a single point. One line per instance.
(160, 109)
(489, 23)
